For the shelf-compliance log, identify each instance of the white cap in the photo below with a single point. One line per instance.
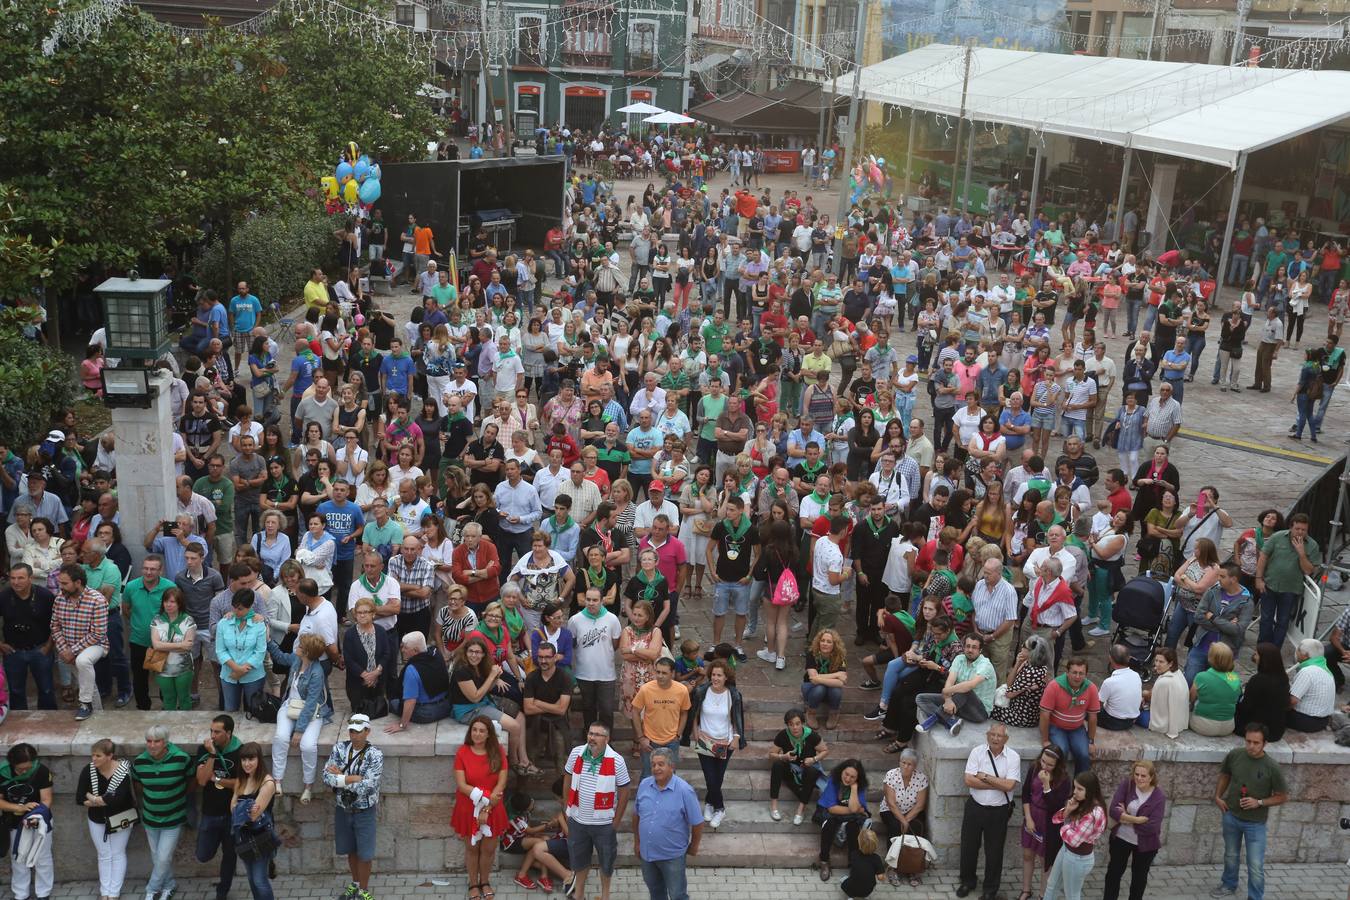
(358, 722)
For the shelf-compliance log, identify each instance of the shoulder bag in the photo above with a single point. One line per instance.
(118, 821)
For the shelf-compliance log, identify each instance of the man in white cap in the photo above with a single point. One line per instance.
(353, 772)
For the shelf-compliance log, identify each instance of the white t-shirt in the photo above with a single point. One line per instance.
(967, 423)
(1121, 693)
(388, 590)
(645, 513)
(715, 715)
(255, 431)
(825, 558)
(322, 620)
(359, 457)
(467, 393)
(504, 380)
(593, 654)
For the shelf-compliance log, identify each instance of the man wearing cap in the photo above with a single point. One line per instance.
(655, 505)
(37, 500)
(353, 771)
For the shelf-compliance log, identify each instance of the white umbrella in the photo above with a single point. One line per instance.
(669, 118)
(433, 92)
(640, 108)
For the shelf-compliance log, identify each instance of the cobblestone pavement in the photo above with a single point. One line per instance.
(1306, 882)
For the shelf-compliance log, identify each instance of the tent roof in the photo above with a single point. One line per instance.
(791, 108)
(1209, 113)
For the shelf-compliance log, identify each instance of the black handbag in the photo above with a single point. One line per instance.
(252, 844)
(263, 707)
(376, 706)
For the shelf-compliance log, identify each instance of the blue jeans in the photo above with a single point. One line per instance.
(215, 835)
(1275, 609)
(733, 597)
(17, 666)
(1196, 661)
(1178, 388)
(1074, 743)
(1235, 831)
(1306, 416)
(1177, 625)
(1132, 314)
(115, 664)
(1237, 269)
(896, 671)
(1327, 391)
(1067, 875)
(258, 882)
(816, 695)
(665, 879)
(1074, 426)
(236, 696)
(1195, 345)
(163, 841)
(1150, 316)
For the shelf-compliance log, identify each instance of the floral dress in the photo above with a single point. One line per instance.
(634, 674)
(1024, 710)
(1339, 310)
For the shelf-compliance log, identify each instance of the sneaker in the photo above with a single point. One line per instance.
(677, 632)
(1222, 891)
(926, 724)
(364, 895)
(1089, 620)
(352, 890)
(870, 685)
(796, 819)
(748, 633)
(570, 887)
(775, 815)
(1098, 632)
(306, 795)
(85, 711)
(798, 626)
(767, 655)
(740, 655)
(707, 812)
(955, 727)
(545, 884)
(717, 818)
(876, 715)
(122, 700)
(781, 664)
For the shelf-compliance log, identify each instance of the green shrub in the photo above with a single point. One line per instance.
(275, 253)
(36, 382)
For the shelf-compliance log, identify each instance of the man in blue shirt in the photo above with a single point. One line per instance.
(643, 443)
(245, 310)
(396, 370)
(1175, 363)
(667, 827)
(344, 521)
(799, 437)
(1015, 424)
(518, 505)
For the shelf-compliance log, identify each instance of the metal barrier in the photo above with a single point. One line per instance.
(1319, 501)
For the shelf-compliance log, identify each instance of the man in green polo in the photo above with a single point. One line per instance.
(161, 776)
(140, 603)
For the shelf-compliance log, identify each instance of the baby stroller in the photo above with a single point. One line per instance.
(1141, 610)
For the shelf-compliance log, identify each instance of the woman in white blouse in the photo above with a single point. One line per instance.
(902, 807)
(1169, 698)
(315, 553)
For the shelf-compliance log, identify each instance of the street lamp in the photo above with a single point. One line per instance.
(133, 308)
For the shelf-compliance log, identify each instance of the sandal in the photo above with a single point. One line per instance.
(915, 881)
(895, 747)
(474, 893)
(486, 892)
(533, 771)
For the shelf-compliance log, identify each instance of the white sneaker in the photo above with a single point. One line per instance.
(798, 626)
(748, 633)
(781, 664)
(1089, 620)
(797, 819)
(1098, 632)
(767, 655)
(717, 818)
(677, 632)
(306, 795)
(707, 812)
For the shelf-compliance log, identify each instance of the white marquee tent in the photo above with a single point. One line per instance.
(1214, 114)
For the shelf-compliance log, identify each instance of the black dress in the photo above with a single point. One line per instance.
(1265, 699)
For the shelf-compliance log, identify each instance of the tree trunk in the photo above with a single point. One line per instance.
(229, 251)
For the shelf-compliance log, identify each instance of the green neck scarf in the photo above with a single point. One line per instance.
(905, 619)
(1320, 661)
(373, 588)
(649, 587)
(496, 635)
(736, 530)
(878, 529)
(558, 527)
(515, 622)
(594, 617)
(456, 417)
(592, 763)
(596, 577)
(7, 773)
(820, 498)
(812, 470)
(799, 744)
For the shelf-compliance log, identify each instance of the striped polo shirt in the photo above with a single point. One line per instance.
(164, 786)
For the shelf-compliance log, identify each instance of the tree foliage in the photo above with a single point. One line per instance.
(115, 144)
(274, 252)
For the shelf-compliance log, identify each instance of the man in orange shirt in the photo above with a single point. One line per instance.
(594, 379)
(745, 209)
(424, 246)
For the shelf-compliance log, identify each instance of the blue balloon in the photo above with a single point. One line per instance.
(361, 169)
(363, 158)
(344, 171)
(370, 191)
(374, 171)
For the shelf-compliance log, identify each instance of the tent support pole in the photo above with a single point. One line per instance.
(1120, 196)
(909, 150)
(1035, 183)
(960, 123)
(1238, 174)
(970, 154)
(850, 137)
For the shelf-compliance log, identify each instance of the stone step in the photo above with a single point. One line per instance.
(728, 849)
(764, 726)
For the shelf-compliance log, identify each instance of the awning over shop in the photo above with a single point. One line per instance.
(792, 108)
(1209, 113)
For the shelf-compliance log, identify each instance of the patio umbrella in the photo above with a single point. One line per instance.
(640, 108)
(669, 118)
(433, 92)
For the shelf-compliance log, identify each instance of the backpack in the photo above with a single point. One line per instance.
(786, 592)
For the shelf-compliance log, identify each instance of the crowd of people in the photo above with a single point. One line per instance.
(500, 510)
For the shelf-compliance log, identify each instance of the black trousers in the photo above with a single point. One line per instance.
(597, 703)
(342, 582)
(780, 775)
(871, 597)
(407, 623)
(987, 825)
(851, 824)
(1122, 853)
(140, 676)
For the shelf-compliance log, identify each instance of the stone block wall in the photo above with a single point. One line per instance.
(1304, 830)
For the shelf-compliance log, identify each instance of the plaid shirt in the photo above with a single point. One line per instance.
(420, 574)
(80, 623)
(1083, 830)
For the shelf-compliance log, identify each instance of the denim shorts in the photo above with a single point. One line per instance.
(354, 832)
(582, 839)
(1043, 418)
(731, 593)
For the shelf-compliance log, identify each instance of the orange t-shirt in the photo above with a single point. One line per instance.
(746, 204)
(422, 240)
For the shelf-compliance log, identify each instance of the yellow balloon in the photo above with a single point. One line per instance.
(350, 191)
(330, 187)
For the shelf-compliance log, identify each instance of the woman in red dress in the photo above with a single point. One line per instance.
(480, 783)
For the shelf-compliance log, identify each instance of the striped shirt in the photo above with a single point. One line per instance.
(594, 790)
(993, 606)
(420, 574)
(164, 786)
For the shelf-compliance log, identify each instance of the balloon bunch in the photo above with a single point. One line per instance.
(866, 178)
(354, 184)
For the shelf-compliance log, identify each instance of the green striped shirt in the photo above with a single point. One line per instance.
(164, 786)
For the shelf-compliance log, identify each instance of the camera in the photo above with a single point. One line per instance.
(167, 528)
